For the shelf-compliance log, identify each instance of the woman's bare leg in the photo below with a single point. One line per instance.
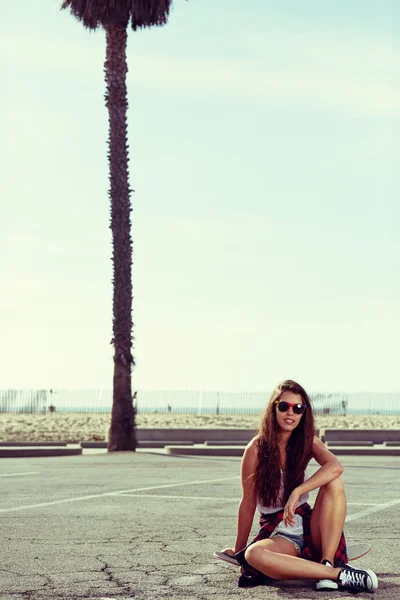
(327, 518)
(277, 558)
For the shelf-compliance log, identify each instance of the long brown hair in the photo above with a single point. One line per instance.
(298, 451)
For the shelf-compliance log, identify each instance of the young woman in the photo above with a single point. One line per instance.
(295, 541)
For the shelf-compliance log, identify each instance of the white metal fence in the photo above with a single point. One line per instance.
(190, 402)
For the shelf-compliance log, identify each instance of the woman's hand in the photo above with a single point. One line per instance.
(229, 551)
(290, 507)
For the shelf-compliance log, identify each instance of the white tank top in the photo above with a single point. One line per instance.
(265, 510)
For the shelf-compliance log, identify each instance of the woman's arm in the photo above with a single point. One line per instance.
(248, 503)
(330, 469)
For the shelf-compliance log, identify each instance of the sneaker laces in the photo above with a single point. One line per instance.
(354, 578)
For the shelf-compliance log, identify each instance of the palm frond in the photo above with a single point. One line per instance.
(146, 13)
(100, 13)
(96, 13)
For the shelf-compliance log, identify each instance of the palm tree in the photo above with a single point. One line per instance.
(115, 16)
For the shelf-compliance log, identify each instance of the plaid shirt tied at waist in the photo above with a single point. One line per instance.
(251, 577)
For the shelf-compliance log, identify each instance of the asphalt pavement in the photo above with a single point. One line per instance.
(145, 525)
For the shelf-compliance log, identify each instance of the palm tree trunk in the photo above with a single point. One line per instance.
(122, 431)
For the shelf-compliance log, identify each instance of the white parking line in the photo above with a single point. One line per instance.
(364, 504)
(168, 496)
(16, 474)
(92, 496)
(178, 497)
(133, 492)
(169, 485)
(222, 498)
(368, 511)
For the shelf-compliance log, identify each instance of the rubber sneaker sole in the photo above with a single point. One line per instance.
(326, 584)
(374, 580)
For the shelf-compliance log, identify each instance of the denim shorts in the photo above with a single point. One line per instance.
(292, 534)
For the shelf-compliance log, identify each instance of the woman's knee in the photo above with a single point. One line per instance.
(252, 554)
(335, 486)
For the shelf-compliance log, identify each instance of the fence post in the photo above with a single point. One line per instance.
(100, 398)
(199, 406)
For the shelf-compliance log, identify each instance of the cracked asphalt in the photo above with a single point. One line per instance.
(145, 526)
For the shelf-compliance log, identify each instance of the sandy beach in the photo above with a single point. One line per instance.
(75, 427)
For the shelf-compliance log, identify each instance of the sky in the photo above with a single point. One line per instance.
(264, 152)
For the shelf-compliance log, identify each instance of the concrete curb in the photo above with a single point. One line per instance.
(204, 450)
(377, 436)
(140, 444)
(214, 442)
(33, 452)
(338, 444)
(195, 435)
(31, 444)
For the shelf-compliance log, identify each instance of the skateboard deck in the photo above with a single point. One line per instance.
(229, 559)
(354, 551)
(357, 550)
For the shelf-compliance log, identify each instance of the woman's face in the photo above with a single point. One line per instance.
(289, 420)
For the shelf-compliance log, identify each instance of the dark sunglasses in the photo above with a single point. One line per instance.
(298, 409)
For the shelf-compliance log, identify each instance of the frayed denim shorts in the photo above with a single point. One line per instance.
(293, 533)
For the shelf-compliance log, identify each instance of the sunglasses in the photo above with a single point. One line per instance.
(298, 409)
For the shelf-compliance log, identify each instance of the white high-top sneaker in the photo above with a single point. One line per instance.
(326, 584)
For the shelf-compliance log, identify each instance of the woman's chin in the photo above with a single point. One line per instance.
(287, 426)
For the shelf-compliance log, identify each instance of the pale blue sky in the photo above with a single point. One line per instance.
(264, 144)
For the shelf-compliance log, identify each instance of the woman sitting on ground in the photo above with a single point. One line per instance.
(295, 541)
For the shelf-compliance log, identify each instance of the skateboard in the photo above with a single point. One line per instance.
(229, 559)
(357, 550)
(354, 551)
